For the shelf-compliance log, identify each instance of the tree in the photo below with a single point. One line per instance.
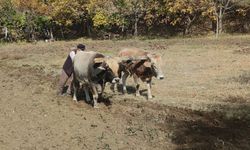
(121, 14)
(7, 13)
(222, 7)
(67, 13)
(75, 18)
(137, 10)
(11, 21)
(184, 13)
(155, 12)
(33, 11)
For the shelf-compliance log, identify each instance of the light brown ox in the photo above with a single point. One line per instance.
(143, 65)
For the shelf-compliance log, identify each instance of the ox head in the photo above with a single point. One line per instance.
(109, 67)
(155, 62)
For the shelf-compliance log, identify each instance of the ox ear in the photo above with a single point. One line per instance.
(98, 60)
(98, 70)
(118, 59)
(141, 58)
(147, 64)
(150, 55)
(124, 59)
(101, 68)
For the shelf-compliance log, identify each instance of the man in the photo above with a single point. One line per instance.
(66, 75)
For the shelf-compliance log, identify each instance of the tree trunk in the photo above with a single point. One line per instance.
(88, 28)
(220, 20)
(136, 25)
(217, 27)
(123, 28)
(33, 37)
(62, 34)
(187, 28)
(84, 29)
(5, 29)
(51, 34)
(214, 26)
(186, 31)
(189, 20)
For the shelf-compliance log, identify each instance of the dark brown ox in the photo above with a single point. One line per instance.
(143, 65)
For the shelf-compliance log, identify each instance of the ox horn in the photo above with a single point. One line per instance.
(141, 58)
(126, 58)
(134, 58)
(98, 60)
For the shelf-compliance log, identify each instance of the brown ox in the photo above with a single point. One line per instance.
(143, 65)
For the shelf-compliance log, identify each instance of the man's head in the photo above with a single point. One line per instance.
(81, 47)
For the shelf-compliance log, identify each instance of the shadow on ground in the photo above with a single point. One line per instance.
(132, 90)
(226, 129)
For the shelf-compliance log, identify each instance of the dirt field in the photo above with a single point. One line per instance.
(204, 103)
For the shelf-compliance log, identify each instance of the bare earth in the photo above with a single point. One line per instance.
(204, 103)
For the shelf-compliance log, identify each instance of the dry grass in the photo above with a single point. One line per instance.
(206, 90)
(199, 71)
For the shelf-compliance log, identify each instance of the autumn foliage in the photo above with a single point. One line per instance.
(65, 19)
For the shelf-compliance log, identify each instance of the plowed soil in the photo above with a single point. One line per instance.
(202, 104)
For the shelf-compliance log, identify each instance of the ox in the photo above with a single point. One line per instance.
(91, 71)
(143, 65)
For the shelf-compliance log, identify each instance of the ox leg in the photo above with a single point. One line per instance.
(137, 85)
(100, 88)
(124, 78)
(95, 96)
(114, 87)
(74, 96)
(75, 87)
(86, 91)
(149, 90)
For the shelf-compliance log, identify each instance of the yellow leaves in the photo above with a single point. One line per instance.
(65, 12)
(174, 22)
(182, 6)
(190, 10)
(171, 9)
(30, 5)
(68, 22)
(241, 11)
(149, 18)
(101, 5)
(100, 19)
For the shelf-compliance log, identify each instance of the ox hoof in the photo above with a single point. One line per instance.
(138, 94)
(124, 92)
(150, 98)
(96, 106)
(75, 100)
(87, 100)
